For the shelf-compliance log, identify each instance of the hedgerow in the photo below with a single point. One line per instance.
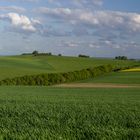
(57, 78)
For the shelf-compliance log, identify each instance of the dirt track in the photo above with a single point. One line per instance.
(97, 85)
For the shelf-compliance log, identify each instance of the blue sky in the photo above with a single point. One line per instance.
(101, 28)
(123, 5)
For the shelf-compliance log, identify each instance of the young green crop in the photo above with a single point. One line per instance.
(59, 113)
(116, 77)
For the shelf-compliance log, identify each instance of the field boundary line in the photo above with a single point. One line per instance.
(97, 85)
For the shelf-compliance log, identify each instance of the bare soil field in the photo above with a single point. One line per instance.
(97, 85)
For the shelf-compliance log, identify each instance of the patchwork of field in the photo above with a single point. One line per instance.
(105, 107)
(74, 113)
(120, 79)
(15, 66)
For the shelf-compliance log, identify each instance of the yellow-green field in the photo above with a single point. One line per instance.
(132, 70)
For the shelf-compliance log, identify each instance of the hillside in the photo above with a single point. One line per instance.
(13, 66)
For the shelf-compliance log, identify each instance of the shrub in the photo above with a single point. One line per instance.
(57, 78)
(82, 55)
(59, 54)
(35, 52)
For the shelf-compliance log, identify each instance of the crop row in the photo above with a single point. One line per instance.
(46, 113)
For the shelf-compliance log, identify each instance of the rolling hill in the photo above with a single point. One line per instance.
(15, 66)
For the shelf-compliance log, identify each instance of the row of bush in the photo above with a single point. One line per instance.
(119, 68)
(57, 78)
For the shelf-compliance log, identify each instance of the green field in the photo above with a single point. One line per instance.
(15, 66)
(117, 78)
(52, 113)
(59, 113)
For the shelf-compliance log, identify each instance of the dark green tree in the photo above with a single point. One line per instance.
(35, 52)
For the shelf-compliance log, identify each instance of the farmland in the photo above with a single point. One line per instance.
(116, 77)
(14, 66)
(69, 70)
(133, 70)
(41, 112)
(61, 113)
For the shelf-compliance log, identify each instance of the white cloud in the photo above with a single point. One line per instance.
(12, 9)
(77, 3)
(94, 45)
(104, 19)
(35, 21)
(20, 22)
(136, 18)
(89, 2)
(55, 11)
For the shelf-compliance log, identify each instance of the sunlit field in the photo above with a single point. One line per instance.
(125, 77)
(15, 66)
(69, 69)
(61, 113)
(132, 70)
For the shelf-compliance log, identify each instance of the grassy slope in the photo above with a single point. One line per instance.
(59, 113)
(12, 66)
(116, 77)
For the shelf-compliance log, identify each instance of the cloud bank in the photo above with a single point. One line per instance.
(20, 22)
(82, 24)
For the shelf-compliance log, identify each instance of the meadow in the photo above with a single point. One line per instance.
(60, 113)
(46, 113)
(120, 77)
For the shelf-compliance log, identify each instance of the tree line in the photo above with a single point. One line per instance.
(121, 58)
(58, 78)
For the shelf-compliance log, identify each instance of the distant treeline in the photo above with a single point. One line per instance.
(121, 57)
(58, 78)
(36, 53)
(82, 55)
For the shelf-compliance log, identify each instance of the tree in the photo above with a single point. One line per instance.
(82, 55)
(35, 52)
(59, 54)
(121, 57)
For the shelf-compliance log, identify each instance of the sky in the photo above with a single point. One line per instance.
(99, 28)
